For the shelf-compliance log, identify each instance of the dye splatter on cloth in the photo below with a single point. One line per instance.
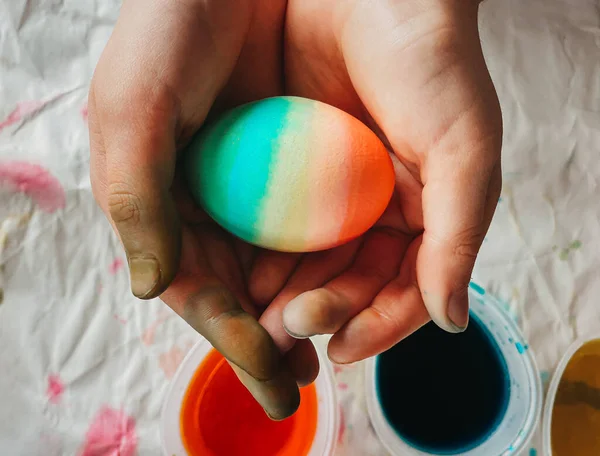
(85, 366)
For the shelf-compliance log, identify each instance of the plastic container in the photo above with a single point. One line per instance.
(525, 398)
(553, 387)
(327, 411)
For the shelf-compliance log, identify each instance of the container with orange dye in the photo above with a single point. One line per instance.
(208, 412)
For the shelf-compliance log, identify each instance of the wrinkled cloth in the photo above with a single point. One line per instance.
(84, 366)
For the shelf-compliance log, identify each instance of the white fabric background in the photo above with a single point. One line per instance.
(77, 349)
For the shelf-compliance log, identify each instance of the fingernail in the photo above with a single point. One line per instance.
(458, 311)
(319, 311)
(297, 320)
(438, 309)
(145, 276)
(294, 335)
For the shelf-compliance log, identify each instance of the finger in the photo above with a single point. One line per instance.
(327, 309)
(212, 310)
(303, 362)
(429, 89)
(314, 271)
(140, 113)
(457, 212)
(396, 312)
(140, 161)
(215, 313)
(270, 273)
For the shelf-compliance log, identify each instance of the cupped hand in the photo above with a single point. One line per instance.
(415, 73)
(412, 70)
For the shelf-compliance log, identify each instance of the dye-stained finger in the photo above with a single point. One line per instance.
(396, 312)
(216, 314)
(270, 272)
(303, 362)
(140, 162)
(325, 310)
(143, 92)
(278, 399)
(210, 308)
(315, 270)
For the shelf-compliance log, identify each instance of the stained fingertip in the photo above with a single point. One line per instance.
(145, 277)
(278, 396)
(314, 312)
(216, 314)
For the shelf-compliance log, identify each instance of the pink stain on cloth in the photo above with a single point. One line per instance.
(115, 266)
(170, 360)
(21, 110)
(342, 428)
(34, 181)
(84, 112)
(112, 433)
(55, 389)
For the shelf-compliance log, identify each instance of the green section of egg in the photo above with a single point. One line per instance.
(229, 163)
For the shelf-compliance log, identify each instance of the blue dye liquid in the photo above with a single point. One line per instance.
(444, 393)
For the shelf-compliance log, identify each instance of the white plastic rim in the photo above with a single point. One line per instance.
(327, 412)
(522, 415)
(553, 387)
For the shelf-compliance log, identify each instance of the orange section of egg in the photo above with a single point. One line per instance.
(219, 417)
(351, 178)
(371, 182)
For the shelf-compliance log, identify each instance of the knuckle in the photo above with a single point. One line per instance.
(124, 205)
(466, 243)
(384, 316)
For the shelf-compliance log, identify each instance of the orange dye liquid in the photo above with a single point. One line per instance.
(219, 417)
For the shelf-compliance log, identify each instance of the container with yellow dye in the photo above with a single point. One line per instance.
(572, 412)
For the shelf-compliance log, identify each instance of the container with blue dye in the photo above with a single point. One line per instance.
(477, 393)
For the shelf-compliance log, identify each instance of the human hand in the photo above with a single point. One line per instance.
(169, 63)
(165, 67)
(412, 70)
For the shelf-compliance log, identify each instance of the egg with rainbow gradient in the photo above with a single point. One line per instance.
(290, 174)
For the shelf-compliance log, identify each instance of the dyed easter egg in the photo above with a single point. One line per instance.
(290, 174)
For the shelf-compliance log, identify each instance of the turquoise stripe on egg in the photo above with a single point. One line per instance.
(236, 179)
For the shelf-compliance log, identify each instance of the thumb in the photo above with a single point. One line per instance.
(159, 75)
(429, 90)
(140, 163)
(459, 200)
